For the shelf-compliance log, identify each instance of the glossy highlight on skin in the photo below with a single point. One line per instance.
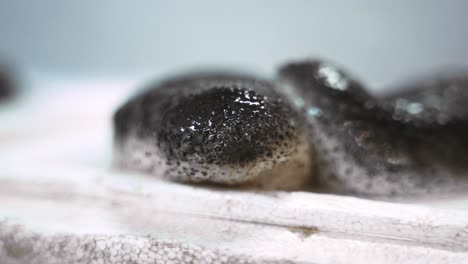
(204, 123)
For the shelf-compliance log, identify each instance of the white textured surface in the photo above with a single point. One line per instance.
(297, 226)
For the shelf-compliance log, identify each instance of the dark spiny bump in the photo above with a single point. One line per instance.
(228, 125)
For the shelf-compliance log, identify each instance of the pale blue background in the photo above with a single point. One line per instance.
(380, 41)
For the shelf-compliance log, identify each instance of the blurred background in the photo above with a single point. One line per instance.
(381, 42)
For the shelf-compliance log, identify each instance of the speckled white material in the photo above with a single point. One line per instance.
(21, 246)
(112, 219)
(60, 203)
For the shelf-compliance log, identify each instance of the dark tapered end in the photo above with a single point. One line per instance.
(7, 90)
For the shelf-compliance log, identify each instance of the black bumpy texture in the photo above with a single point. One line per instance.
(223, 125)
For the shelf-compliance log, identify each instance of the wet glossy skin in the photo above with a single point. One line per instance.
(219, 127)
(223, 125)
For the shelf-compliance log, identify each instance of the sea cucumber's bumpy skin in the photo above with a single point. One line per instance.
(223, 129)
(368, 145)
(217, 128)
